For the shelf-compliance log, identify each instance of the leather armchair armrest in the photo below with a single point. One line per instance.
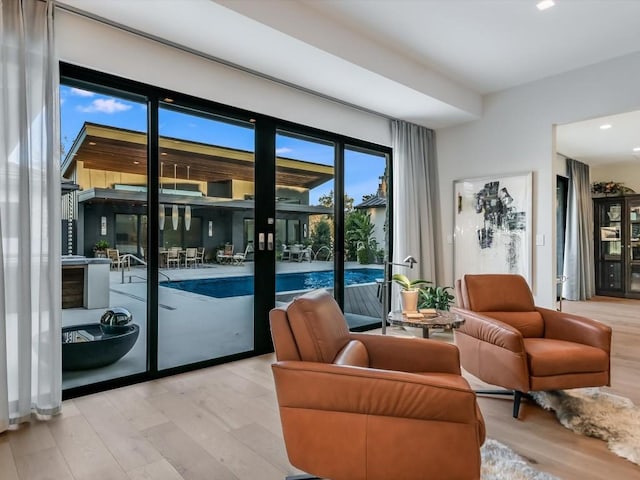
(321, 386)
(410, 354)
(574, 328)
(490, 330)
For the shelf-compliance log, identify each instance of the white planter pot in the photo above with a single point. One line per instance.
(409, 300)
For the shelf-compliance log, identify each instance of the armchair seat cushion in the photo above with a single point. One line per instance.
(547, 357)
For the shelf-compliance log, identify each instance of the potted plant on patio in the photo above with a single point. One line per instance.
(100, 249)
(410, 291)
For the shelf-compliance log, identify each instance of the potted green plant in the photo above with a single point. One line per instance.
(100, 249)
(410, 291)
(435, 297)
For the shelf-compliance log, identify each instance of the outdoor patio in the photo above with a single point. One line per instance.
(194, 327)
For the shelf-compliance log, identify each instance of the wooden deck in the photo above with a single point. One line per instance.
(358, 299)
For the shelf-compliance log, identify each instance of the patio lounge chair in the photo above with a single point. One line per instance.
(239, 258)
(286, 253)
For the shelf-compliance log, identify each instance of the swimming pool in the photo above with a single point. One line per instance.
(285, 282)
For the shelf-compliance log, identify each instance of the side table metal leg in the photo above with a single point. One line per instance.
(425, 332)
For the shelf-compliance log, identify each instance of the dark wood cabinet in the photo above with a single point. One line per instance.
(617, 246)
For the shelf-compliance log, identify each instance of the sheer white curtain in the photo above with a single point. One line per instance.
(578, 245)
(415, 211)
(30, 333)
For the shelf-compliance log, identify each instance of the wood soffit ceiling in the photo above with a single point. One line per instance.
(109, 149)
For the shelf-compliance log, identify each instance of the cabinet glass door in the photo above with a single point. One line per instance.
(611, 246)
(633, 245)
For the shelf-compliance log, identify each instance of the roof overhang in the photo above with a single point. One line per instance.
(106, 148)
(103, 195)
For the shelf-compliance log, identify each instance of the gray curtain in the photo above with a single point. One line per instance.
(578, 265)
(415, 194)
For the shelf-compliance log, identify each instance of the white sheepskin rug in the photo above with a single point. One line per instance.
(499, 462)
(588, 411)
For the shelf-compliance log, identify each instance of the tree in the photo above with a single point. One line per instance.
(327, 201)
(321, 237)
(359, 237)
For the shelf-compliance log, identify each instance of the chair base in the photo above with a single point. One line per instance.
(301, 477)
(517, 396)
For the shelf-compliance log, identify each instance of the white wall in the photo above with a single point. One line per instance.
(88, 43)
(515, 135)
(627, 173)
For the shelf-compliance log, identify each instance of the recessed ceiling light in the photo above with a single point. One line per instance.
(163, 153)
(636, 149)
(92, 143)
(168, 100)
(606, 126)
(135, 162)
(544, 4)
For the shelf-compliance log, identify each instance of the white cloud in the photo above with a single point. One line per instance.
(105, 105)
(81, 93)
(283, 150)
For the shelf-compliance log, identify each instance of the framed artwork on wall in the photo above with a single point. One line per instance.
(493, 225)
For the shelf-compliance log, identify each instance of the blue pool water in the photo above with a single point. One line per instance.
(285, 282)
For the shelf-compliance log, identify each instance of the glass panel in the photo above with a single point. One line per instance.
(206, 196)
(634, 231)
(304, 214)
(365, 235)
(610, 231)
(634, 278)
(103, 138)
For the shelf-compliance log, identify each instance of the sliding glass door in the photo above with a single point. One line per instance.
(186, 221)
(305, 184)
(365, 230)
(206, 206)
(104, 145)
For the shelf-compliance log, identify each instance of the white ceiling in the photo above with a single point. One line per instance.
(428, 62)
(587, 142)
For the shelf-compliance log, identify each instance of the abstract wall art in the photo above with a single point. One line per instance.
(492, 225)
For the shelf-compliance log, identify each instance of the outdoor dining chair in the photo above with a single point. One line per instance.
(118, 261)
(191, 256)
(173, 257)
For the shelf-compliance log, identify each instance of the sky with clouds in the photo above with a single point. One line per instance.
(362, 171)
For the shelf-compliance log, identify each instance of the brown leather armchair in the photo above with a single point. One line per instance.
(361, 406)
(507, 341)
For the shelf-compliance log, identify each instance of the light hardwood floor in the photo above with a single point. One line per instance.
(222, 423)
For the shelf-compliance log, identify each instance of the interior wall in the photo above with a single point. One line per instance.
(627, 173)
(515, 135)
(89, 43)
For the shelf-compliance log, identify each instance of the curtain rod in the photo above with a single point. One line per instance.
(212, 58)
